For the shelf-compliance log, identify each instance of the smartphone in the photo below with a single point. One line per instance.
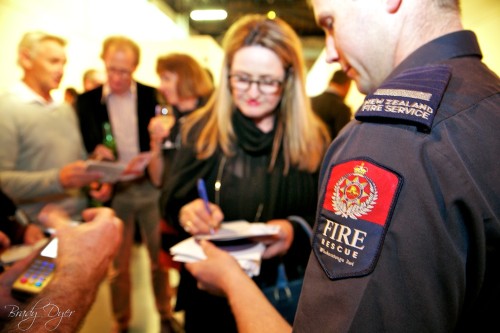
(38, 274)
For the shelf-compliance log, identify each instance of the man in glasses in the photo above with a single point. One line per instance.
(127, 106)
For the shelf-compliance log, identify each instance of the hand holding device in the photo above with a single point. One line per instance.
(38, 274)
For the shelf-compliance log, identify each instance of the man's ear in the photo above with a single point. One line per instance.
(25, 59)
(392, 6)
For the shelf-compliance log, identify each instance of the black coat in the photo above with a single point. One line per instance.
(245, 185)
(93, 112)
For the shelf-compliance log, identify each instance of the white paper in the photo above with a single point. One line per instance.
(117, 171)
(111, 170)
(239, 230)
(248, 255)
(17, 252)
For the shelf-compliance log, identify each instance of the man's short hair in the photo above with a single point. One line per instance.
(121, 43)
(31, 40)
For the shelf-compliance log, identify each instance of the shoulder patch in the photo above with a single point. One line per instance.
(355, 209)
(412, 97)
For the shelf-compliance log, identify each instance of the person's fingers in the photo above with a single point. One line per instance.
(11, 274)
(53, 216)
(100, 213)
(208, 247)
(194, 218)
(188, 226)
(4, 241)
(217, 216)
(273, 250)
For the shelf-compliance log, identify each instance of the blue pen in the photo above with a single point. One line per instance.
(202, 192)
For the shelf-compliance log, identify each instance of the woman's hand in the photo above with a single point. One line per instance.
(159, 127)
(195, 219)
(278, 245)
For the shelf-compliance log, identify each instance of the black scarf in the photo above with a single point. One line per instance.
(250, 138)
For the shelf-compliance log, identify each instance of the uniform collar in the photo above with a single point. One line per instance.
(453, 45)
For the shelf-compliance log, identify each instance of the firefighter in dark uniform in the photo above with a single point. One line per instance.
(407, 234)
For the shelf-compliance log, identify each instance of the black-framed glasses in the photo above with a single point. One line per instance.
(264, 85)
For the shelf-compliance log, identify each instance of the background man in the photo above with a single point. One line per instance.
(128, 106)
(92, 78)
(330, 105)
(41, 159)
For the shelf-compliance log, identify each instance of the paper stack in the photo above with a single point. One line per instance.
(117, 171)
(234, 237)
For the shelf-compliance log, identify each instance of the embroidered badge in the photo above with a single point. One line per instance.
(354, 195)
(357, 204)
(411, 97)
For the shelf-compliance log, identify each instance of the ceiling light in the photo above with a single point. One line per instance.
(208, 15)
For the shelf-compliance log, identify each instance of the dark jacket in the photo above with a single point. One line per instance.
(93, 112)
(9, 220)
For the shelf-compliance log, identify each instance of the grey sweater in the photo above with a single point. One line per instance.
(36, 140)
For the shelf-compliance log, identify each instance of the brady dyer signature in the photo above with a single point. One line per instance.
(49, 313)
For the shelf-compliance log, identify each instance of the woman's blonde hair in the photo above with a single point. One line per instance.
(303, 136)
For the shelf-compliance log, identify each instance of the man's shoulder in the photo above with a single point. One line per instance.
(472, 78)
(472, 86)
(427, 95)
(143, 85)
(145, 89)
(326, 96)
(327, 104)
(5, 100)
(146, 95)
(95, 93)
(8, 97)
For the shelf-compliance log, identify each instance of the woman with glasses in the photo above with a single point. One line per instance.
(258, 146)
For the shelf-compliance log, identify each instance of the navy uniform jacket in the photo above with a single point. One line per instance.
(407, 234)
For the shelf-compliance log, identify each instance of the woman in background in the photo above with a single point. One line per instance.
(258, 146)
(185, 86)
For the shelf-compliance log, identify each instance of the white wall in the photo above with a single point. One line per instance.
(85, 24)
(483, 17)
